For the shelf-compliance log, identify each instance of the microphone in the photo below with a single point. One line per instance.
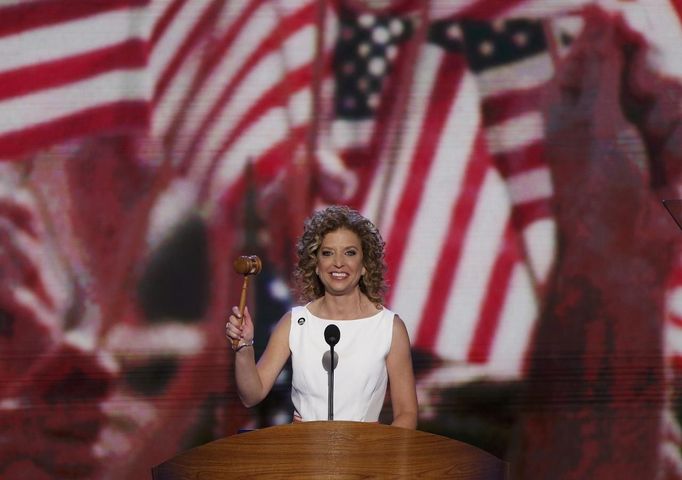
(332, 335)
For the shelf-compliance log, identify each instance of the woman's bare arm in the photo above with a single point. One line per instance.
(401, 378)
(254, 380)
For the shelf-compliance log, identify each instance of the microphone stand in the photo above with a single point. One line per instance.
(332, 335)
(330, 408)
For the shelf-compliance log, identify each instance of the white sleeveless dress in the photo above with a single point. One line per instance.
(360, 377)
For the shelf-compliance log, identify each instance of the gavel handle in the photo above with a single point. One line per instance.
(242, 305)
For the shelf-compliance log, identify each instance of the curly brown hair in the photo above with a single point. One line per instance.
(330, 219)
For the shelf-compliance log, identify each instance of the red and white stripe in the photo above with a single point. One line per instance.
(248, 95)
(34, 288)
(231, 82)
(457, 279)
(70, 69)
(514, 130)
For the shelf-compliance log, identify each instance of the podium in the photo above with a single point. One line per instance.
(333, 449)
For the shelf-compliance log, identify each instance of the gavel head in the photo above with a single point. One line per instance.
(247, 265)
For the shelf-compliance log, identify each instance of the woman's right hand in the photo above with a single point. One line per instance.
(239, 330)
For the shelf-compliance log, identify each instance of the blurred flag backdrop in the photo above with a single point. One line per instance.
(218, 126)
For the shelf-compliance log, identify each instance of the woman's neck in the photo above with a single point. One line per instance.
(343, 307)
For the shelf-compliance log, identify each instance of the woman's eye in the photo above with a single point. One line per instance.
(351, 253)
(326, 253)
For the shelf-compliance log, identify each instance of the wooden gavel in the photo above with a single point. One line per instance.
(246, 265)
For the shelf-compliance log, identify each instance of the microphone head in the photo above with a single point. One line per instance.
(332, 335)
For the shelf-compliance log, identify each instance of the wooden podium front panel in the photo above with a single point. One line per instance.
(337, 449)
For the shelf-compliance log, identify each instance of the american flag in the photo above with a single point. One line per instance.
(463, 143)
(70, 69)
(452, 158)
(254, 82)
(431, 127)
(457, 276)
(466, 131)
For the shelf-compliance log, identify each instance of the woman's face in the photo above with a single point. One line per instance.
(339, 262)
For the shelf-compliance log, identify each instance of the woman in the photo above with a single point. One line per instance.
(340, 274)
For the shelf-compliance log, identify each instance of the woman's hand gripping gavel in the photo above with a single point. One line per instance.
(247, 266)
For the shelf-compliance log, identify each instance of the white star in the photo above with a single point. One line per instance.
(396, 27)
(391, 52)
(486, 48)
(380, 35)
(373, 101)
(376, 66)
(366, 20)
(520, 39)
(364, 49)
(454, 32)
